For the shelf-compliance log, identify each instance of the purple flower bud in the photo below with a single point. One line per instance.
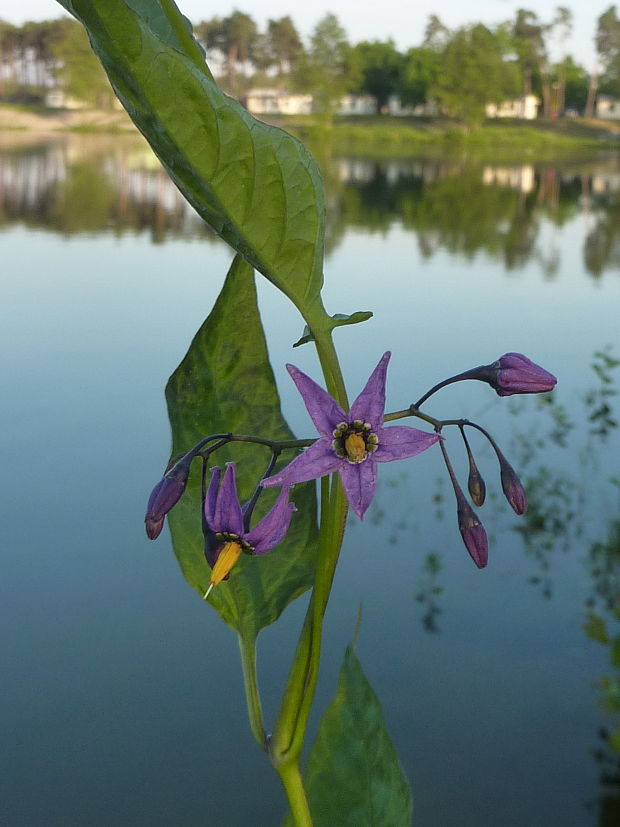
(512, 488)
(473, 534)
(153, 527)
(164, 496)
(476, 486)
(515, 373)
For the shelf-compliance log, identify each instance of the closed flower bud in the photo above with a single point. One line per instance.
(473, 534)
(164, 496)
(477, 488)
(475, 484)
(153, 527)
(515, 373)
(512, 488)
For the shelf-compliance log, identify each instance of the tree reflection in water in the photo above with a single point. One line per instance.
(89, 184)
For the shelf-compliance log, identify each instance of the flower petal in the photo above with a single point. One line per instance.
(324, 411)
(316, 461)
(211, 498)
(211, 548)
(271, 530)
(370, 404)
(401, 441)
(360, 482)
(228, 516)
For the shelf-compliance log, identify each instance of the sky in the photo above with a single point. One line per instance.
(369, 20)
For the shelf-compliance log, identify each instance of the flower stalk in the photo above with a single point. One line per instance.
(247, 650)
(289, 731)
(294, 788)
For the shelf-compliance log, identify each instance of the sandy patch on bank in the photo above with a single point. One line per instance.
(18, 119)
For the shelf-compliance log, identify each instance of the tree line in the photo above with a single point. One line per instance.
(459, 69)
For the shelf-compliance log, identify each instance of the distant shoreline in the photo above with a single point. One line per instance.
(376, 136)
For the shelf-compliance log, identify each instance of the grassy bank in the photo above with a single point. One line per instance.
(378, 136)
(382, 137)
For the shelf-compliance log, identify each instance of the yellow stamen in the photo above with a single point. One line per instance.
(355, 446)
(227, 558)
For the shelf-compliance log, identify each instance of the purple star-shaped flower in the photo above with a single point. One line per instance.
(227, 530)
(351, 443)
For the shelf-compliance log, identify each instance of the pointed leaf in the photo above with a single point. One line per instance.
(337, 320)
(353, 775)
(255, 184)
(225, 383)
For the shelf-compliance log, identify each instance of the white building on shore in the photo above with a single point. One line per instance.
(525, 107)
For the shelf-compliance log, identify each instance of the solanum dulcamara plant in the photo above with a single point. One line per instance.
(246, 549)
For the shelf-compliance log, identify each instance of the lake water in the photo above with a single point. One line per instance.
(121, 698)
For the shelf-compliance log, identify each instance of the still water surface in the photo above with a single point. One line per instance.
(122, 699)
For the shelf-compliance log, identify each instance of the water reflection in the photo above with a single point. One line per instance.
(573, 503)
(92, 184)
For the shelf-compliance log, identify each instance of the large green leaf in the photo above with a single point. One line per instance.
(255, 184)
(225, 383)
(354, 778)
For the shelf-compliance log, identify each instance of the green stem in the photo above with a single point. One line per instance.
(290, 727)
(295, 793)
(411, 411)
(247, 649)
(289, 731)
(321, 326)
(331, 368)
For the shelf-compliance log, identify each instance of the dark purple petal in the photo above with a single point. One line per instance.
(359, 481)
(316, 461)
(211, 548)
(324, 411)
(518, 374)
(273, 527)
(211, 498)
(228, 516)
(370, 404)
(401, 441)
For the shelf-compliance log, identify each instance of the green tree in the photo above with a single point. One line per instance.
(575, 82)
(562, 26)
(436, 35)
(9, 41)
(473, 72)
(42, 37)
(236, 38)
(608, 49)
(420, 70)
(284, 46)
(329, 69)
(380, 65)
(79, 73)
(530, 40)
